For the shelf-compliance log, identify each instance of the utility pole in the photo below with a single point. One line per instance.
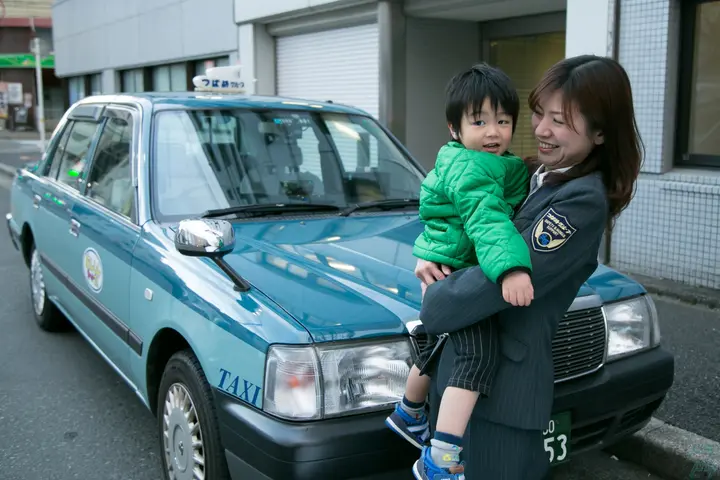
(40, 96)
(40, 112)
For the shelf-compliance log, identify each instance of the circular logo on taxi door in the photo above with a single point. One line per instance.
(93, 270)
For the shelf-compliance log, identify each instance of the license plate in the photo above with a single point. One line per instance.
(556, 438)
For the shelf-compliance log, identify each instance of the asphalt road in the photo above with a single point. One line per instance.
(692, 334)
(66, 415)
(17, 153)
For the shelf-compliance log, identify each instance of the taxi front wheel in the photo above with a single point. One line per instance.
(187, 423)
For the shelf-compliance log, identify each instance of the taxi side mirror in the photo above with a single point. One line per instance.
(205, 238)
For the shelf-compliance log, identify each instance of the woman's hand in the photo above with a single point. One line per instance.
(430, 272)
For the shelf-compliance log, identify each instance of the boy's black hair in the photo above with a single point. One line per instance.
(467, 90)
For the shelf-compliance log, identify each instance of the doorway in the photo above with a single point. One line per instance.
(525, 59)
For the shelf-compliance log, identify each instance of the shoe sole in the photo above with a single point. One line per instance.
(416, 471)
(399, 431)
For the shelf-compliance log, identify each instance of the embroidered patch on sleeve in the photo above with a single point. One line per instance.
(551, 232)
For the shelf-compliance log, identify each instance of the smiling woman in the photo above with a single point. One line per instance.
(245, 157)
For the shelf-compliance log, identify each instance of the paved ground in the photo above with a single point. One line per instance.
(692, 334)
(66, 415)
(18, 152)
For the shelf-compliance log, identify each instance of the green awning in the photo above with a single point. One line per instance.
(25, 60)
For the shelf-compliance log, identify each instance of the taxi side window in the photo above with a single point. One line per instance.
(57, 155)
(109, 181)
(72, 155)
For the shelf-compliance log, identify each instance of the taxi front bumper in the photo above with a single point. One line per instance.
(261, 447)
(606, 407)
(616, 401)
(14, 236)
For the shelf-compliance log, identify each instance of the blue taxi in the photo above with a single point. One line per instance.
(244, 264)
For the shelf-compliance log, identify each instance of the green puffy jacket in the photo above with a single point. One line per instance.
(467, 204)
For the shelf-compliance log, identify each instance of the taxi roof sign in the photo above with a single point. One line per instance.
(220, 80)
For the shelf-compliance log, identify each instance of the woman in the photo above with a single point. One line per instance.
(589, 154)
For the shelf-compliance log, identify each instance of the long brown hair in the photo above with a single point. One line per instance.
(600, 89)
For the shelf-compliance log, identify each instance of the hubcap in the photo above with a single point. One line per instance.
(37, 284)
(184, 450)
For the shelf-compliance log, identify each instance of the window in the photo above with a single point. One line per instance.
(209, 159)
(202, 65)
(57, 155)
(83, 86)
(132, 81)
(72, 154)
(96, 84)
(170, 78)
(76, 89)
(699, 103)
(526, 59)
(109, 182)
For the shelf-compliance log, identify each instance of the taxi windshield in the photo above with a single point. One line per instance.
(215, 159)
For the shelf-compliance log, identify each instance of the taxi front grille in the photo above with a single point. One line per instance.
(578, 347)
(579, 344)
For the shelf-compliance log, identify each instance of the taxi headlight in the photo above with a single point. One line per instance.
(321, 381)
(632, 327)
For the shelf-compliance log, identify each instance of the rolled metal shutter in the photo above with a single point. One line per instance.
(341, 65)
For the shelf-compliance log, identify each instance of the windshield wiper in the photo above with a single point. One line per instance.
(260, 209)
(388, 204)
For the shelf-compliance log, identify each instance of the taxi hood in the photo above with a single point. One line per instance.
(351, 277)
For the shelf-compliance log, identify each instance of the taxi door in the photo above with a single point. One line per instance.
(54, 196)
(103, 219)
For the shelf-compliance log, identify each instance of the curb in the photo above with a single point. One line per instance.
(7, 170)
(670, 452)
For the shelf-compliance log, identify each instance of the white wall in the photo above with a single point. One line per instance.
(110, 81)
(256, 49)
(250, 10)
(436, 50)
(93, 35)
(588, 27)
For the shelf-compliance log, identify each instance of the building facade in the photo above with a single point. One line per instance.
(393, 58)
(20, 22)
(139, 45)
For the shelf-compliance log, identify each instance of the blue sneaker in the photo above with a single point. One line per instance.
(414, 430)
(425, 469)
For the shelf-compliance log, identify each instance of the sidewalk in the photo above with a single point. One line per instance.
(670, 452)
(685, 293)
(20, 135)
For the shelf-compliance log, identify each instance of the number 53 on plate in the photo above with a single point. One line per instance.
(556, 438)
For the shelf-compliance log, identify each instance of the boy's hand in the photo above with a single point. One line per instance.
(430, 272)
(517, 289)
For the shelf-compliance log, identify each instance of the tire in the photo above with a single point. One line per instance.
(183, 379)
(46, 314)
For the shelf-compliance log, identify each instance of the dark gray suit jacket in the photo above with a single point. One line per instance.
(562, 226)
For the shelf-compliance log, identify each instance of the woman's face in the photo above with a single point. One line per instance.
(559, 145)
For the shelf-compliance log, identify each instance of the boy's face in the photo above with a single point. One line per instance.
(487, 130)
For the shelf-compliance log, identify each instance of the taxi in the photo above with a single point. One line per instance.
(244, 264)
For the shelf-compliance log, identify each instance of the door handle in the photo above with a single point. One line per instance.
(36, 200)
(74, 227)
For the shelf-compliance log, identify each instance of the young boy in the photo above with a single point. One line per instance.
(467, 203)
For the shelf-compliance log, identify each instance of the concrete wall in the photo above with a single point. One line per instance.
(436, 50)
(250, 10)
(92, 36)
